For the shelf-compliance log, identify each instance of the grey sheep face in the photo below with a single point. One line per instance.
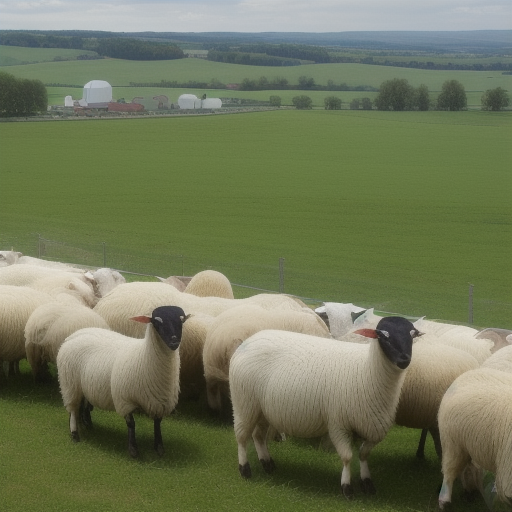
(168, 323)
(395, 335)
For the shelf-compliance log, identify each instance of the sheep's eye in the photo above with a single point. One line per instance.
(385, 333)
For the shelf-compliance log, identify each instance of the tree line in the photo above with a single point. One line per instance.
(21, 96)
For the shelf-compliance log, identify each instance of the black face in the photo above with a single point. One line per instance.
(168, 322)
(395, 336)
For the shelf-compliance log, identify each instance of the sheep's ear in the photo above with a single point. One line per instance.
(184, 318)
(143, 319)
(415, 333)
(355, 315)
(369, 333)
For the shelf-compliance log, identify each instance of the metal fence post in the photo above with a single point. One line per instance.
(104, 254)
(39, 246)
(281, 275)
(470, 310)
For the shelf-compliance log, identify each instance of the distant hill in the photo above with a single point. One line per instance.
(476, 41)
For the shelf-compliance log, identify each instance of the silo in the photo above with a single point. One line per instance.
(97, 93)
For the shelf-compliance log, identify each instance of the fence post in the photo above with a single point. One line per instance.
(182, 266)
(104, 254)
(38, 245)
(470, 310)
(281, 275)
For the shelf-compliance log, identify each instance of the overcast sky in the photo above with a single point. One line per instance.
(255, 15)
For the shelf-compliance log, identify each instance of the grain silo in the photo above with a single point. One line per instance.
(97, 93)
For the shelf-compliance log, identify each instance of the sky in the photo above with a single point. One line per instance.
(255, 15)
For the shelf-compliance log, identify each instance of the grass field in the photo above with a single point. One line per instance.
(42, 470)
(400, 211)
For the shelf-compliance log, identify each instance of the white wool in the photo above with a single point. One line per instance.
(440, 329)
(9, 257)
(131, 299)
(68, 285)
(234, 325)
(500, 360)
(106, 279)
(500, 337)
(175, 281)
(210, 283)
(25, 275)
(16, 305)
(474, 422)
(49, 325)
(116, 372)
(340, 316)
(480, 349)
(29, 260)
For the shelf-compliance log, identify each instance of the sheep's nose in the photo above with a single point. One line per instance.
(403, 362)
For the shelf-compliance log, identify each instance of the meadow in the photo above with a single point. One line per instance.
(399, 211)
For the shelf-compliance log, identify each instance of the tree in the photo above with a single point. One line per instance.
(275, 101)
(21, 97)
(421, 98)
(332, 103)
(306, 82)
(495, 99)
(452, 96)
(396, 94)
(354, 104)
(302, 102)
(366, 103)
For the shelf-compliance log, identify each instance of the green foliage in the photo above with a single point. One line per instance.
(452, 96)
(275, 101)
(495, 99)
(422, 98)
(332, 103)
(21, 97)
(302, 102)
(396, 94)
(306, 82)
(134, 49)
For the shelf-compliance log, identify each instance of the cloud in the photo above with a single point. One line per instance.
(255, 15)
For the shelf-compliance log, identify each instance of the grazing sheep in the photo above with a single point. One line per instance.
(210, 283)
(16, 305)
(475, 417)
(500, 360)
(47, 328)
(307, 386)
(114, 372)
(231, 327)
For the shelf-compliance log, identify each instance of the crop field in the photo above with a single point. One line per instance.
(400, 211)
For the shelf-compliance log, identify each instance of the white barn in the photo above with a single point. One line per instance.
(96, 93)
(191, 101)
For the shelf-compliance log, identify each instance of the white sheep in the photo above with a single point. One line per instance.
(339, 316)
(9, 258)
(210, 283)
(26, 275)
(16, 305)
(105, 280)
(475, 419)
(234, 325)
(176, 281)
(115, 372)
(67, 285)
(307, 386)
(500, 337)
(500, 360)
(47, 328)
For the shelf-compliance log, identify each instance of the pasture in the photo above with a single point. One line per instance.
(399, 211)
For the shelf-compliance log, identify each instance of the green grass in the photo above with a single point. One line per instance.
(42, 470)
(400, 211)
(18, 55)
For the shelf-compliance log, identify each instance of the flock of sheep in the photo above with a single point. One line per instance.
(269, 360)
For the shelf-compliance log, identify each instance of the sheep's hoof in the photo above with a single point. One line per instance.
(160, 449)
(75, 437)
(245, 470)
(348, 491)
(268, 465)
(133, 451)
(445, 506)
(367, 486)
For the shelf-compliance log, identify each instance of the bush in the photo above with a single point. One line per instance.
(495, 99)
(302, 102)
(452, 97)
(332, 103)
(275, 101)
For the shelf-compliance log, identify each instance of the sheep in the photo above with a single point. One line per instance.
(210, 283)
(176, 281)
(105, 280)
(129, 299)
(47, 328)
(475, 416)
(500, 360)
(339, 316)
(9, 257)
(231, 327)
(433, 368)
(500, 337)
(115, 372)
(16, 305)
(307, 386)
(69, 286)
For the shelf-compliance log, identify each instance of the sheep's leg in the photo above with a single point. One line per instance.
(434, 432)
(213, 397)
(259, 437)
(420, 452)
(343, 444)
(243, 434)
(366, 479)
(454, 462)
(159, 443)
(73, 427)
(132, 443)
(85, 413)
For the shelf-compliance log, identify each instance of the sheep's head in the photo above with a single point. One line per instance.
(168, 322)
(395, 335)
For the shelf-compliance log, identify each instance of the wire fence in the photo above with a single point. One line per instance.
(460, 304)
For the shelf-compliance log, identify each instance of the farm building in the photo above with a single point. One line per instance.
(190, 101)
(96, 94)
